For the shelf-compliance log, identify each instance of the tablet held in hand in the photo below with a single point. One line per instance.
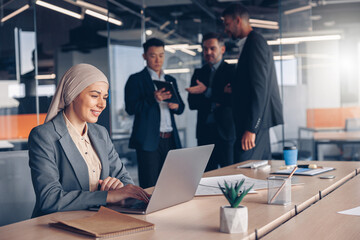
(169, 86)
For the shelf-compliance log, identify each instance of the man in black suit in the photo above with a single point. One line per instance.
(154, 131)
(256, 100)
(210, 94)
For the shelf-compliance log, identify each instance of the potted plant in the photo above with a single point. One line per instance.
(234, 218)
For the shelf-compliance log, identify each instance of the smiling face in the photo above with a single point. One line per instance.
(213, 52)
(154, 57)
(89, 104)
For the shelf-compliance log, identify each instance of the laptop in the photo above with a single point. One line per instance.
(177, 182)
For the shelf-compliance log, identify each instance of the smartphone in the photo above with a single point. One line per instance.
(327, 177)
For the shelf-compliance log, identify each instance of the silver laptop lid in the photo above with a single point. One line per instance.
(179, 177)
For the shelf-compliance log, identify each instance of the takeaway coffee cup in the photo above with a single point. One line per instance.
(290, 155)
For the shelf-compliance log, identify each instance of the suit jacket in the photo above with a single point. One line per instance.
(223, 113)
(59, 173)
(256, 98)
(140, 101)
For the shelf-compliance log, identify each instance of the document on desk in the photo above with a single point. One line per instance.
(209, 185)
(352, 211)
(305, 171)
(254, 164)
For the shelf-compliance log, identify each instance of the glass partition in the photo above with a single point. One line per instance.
(315, 45)
(65, 39)
(18, 109)
(322, 37)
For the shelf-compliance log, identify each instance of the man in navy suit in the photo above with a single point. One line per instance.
(210, 95)
(256, 100)
(154, 131)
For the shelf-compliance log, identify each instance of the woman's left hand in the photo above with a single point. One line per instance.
(110, 183)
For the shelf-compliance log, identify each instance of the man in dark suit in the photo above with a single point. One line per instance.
(256, 100)
(154, 131)
(210, 94)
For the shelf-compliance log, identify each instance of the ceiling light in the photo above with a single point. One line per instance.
(59, 9)
(164, 25)
(184, 48)
(46, 76)
(315, 17)
(231, 61)
(281, 41)
(296, 40)
(284, 57)
(266, 22)
(148, 32)
(192, 53)
(195, 46)
(177, 70)
(264, 26)
(115, 21)
(103, 17)
(91, 6)
(169, 49)
(13, 14)
(299, 9)
(178, 46)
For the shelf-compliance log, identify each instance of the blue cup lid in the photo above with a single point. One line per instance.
(290, 148)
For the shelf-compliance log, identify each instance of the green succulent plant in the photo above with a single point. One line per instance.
(233, 193)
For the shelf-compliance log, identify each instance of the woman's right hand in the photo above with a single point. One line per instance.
(129, 191)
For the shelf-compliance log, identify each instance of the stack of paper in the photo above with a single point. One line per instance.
(209, 186)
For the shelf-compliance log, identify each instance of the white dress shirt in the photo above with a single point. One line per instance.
(165, 118)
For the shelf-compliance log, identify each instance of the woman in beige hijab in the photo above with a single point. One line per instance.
(73, 162)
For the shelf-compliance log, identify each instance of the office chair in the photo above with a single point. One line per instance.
(302, 154)
(351, 151)
(277, 147)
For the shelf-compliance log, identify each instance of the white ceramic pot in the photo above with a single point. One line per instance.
(233, 220)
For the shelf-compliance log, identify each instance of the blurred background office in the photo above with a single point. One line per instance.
(315, 43)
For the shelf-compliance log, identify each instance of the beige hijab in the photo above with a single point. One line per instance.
(74, 81)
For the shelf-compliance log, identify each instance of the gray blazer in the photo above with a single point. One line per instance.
(59, 173)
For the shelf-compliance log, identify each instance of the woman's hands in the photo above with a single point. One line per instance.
(129, 191)
(117, 192)
(110, 183)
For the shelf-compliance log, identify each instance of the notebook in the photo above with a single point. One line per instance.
(177, 182)
(105, 223)
(305, 171)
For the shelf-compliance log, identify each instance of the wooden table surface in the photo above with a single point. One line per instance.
(322, 220)
(199, 218)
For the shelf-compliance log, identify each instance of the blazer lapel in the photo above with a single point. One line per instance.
(100, 148)
(148, 81)
(72, 153)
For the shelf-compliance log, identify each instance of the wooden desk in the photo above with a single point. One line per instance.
(339, 138)
(322, 221)
(199, 218)
(6, 145)
(310, 136)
